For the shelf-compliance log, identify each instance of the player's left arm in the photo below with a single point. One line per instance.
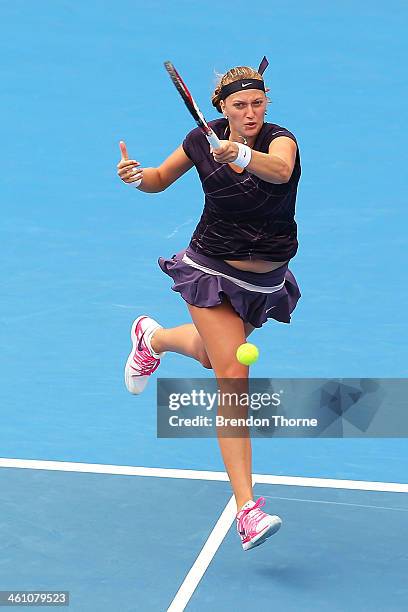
(277, 165)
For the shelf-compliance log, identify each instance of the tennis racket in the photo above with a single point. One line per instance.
(192, 106)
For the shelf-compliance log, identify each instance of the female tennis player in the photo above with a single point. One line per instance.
(234, 273)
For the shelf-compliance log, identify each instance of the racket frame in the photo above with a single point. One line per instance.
(192, 106)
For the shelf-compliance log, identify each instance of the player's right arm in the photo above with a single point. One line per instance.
(153, 179)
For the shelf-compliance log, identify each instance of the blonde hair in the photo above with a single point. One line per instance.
(235, 74)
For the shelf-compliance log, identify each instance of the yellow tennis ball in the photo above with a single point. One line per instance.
(247, 353)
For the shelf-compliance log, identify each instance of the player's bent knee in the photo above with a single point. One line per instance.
(205, 362)
(201, 354)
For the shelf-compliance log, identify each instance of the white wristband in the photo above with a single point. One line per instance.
(136, 183)
(244, 155)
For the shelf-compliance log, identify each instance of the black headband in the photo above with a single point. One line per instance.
(242, 84)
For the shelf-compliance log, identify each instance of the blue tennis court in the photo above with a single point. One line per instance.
(92, 502)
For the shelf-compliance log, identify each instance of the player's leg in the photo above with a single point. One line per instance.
(186, 340)
(150, 341)
(222, 331)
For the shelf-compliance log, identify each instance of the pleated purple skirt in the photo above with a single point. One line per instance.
(256, 297)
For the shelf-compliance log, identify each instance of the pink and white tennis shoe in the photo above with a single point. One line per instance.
(255, 526)
(142, 361)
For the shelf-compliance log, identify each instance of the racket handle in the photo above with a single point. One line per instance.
(213, 140)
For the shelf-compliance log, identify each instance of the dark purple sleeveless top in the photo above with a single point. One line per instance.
(244, 217)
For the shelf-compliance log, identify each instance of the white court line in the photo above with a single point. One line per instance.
(100, 468)
(336, 503)
(332, 483)
(129, 470)
(227, 517)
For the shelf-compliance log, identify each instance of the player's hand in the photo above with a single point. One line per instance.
(128, 169)
(226, 153)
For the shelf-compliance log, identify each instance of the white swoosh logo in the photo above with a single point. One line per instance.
(245, 85)
(269, 309)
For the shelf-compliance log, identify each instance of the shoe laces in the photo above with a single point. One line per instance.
(145, 363)
(250, 517)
